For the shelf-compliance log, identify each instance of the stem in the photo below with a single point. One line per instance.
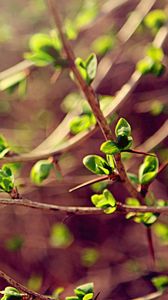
(21, 287)
(150, 243)
(93, 101)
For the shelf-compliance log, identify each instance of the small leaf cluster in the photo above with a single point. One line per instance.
(123, 139)
(98, 165)
(148, 170)
(152, 63)
(84, 121)
(106, 201)
(83, 292)
(11, 293)
(45, 49)
(40, 171)
(147, 218)
(87, 68)
(155, 19)
(6, 179)
(160, 282)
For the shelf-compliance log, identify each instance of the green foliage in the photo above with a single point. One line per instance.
(123, 139)
(83, 292)
(147, 218)
(152, 63)
(6, 179)
(14, 243)
(87, 68)
(60, 236)
(106, 201)
(133, 177)
(160, 282)
(156, 108)
(148, 170)
(4, 147)
(89, 257)
(161, 230)
(81, 123)
(99, 186)
(11, 293)
(156, 19)
(34, 283)
(103, 44)
(40, 171)
(13, 82)
(98, 165)
(45, 49)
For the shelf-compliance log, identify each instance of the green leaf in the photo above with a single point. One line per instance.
(81, 123)
(91, 68)
(14, 243)
(103, 44)
(148, 170)
(11, 293)
(110, 160)
(155, 53)
(156, 19)
(88, 296)
(84, 289)
(40, 171)
(97, 164)
(89, 257)
(40, 42)
(35, 282)
(160, 282)
(109, 147)
(39, 59)
(61, 236)
(132, 202)
(122, 128)
(87, 68)
(106, 201)
(149, 218)
(6, 179)
(72, 298)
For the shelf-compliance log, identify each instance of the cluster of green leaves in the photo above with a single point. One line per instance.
(156, 19)
(98, 165)
(152, 63)
(84, 121)
(11, 293)
(123, 139)
(46, 49)
(83, 292)
(147, 218)
(87, 68)
(160, 282)
(105, 201)
(6, 179)
(41, 170)
(148, 170)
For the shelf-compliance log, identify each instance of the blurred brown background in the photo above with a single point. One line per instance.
(108, 250)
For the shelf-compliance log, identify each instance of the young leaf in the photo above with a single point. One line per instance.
(84, 289)
(91, 68)
(148, 170)
(155, 53)
(106, 201)
(122, 128)
(81, 123)
(97, 164)
(40, 171)
(4, 147)
(160, 282)
(6, 179)
(109, 147)
(11, 293)
(156, 19)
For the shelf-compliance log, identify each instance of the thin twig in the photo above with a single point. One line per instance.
(22, 288)
(122, 208)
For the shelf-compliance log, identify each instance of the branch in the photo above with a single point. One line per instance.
(22, 288)
(122, 208)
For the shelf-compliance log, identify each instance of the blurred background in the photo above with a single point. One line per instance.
(47, 250)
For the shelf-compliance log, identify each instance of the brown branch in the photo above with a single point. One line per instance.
(122, 208)
(152, 296)
(22, 288)
(92, 100)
